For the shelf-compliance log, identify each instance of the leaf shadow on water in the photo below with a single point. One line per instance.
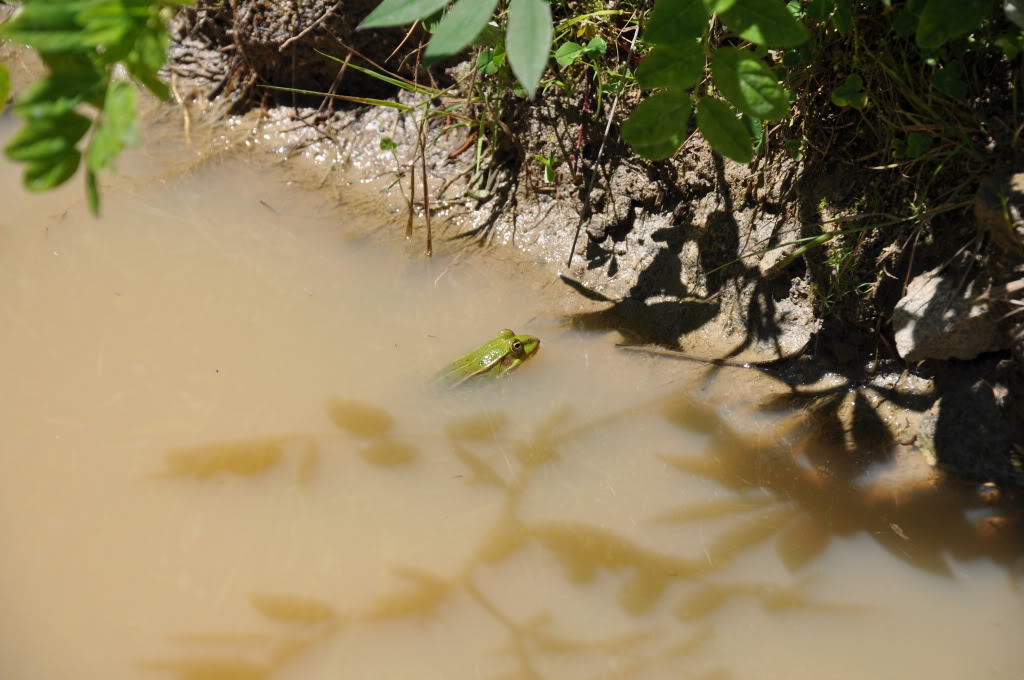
(783, 492)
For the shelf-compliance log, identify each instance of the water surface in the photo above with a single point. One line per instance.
(218, 460)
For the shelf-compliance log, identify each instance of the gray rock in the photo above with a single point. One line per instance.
(939, 318)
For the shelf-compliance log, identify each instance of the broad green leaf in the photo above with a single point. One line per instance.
(904, 23)
(597, 47)
(398, 12)
(54, 171)
(60, 92)
(944, 19)
(118, 127)
(748, 84)
(754, 128)
(717, 6)
(949, 80)
(567, 53)
(842, 19)
(850, 93)
(147, 58)
(818, 10)
(765, 22)
(917, 144)
(1013, 11)
(677, 66)
(528, 40)
(723, 131)
(5, 87)
(45, 138)
(48, 26)
(674, 21)
(108, 25)
(459, 27)
(490, 60)
(657, 127)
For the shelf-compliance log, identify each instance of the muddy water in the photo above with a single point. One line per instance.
(218, 460)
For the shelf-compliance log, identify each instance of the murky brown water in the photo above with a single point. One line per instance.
(219, 461)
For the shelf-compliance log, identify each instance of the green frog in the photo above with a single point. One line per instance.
(495, 358)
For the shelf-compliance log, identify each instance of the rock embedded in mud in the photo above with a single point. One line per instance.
(940, 318)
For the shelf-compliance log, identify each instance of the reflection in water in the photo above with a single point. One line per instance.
(219, 462)
(778, 496)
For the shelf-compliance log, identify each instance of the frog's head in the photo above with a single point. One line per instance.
(518, 348)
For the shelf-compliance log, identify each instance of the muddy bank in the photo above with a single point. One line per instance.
(696, 254)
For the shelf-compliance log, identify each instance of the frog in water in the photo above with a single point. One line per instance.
(495, 358)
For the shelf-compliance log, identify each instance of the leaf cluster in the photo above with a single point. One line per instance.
(81, 42)
(728, 61)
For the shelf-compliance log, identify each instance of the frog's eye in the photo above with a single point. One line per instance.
(517, 346)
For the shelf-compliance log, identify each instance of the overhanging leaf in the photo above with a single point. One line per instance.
(458, 28)
(657, 127)
(717, 6)
(528, 40)
(674, 21)
(398, 12)
(48, 26)
(723, 130)
(568, 52)
(53, 171)
(44, 138)
(765, 22)
(118, 127)
(5, 87)
(748, 84)
(672, 66)
(944, 19)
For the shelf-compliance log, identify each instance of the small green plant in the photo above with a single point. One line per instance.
(81, 42)
(549, 163)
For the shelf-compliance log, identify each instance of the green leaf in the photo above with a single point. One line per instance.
(917, 144)
(490, 60)
(949, 80)
(118, 127)
(54, 171)
(48, 26)
(45, 138)
(109, 25)
(717, 6)
(5, 87)
(843, 17)
(398, 12)
(944, 19)
(679, 66)
(748, 84)
(850, 93)
(61, 92)
(529, 40)
(459, 27)
(723, 131)
(765, 22)
(597, 47)
(147, 57)
(567, 53)
(818, 10)
(675, 21)
(657, 127)
(92, 192)
(754, 128)
(904, 23)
